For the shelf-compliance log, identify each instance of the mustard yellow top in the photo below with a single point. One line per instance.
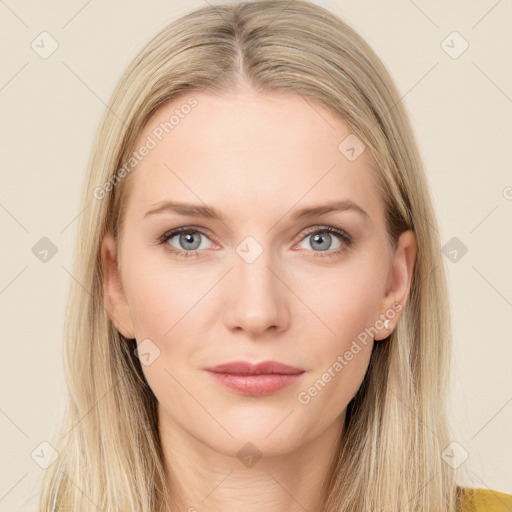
(485, 500)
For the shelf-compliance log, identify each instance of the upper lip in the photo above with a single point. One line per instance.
(246, 368)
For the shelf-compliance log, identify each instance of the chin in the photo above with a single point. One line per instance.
(250, 448)
(270, 435)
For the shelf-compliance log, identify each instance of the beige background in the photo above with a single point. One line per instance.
(461, 112)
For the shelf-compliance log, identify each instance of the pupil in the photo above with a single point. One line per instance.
(322, 240)
(188, 238)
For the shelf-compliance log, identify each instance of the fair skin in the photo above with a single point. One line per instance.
(256, 159)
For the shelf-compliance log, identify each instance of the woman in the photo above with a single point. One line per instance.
(260, 318)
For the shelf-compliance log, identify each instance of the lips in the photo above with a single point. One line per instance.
(259, 379)
(266, 367)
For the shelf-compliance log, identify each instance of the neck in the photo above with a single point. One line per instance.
(202, 478)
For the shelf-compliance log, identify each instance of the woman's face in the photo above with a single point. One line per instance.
(257, 281)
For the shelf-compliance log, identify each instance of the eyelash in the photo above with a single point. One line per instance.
(345, 238)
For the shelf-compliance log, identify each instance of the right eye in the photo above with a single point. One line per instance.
(189, 241)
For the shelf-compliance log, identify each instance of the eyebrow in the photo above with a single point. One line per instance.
(208, 212)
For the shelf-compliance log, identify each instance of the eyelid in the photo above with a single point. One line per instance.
(331, 229)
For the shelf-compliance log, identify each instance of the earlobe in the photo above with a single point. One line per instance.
(113, 294)
(400, 283)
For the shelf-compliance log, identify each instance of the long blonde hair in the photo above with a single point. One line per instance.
(396, 428)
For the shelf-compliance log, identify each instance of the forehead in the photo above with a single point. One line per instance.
(249, 155)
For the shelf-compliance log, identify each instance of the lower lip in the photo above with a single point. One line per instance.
(256, 385)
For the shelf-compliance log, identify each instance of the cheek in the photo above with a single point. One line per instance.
(170, 307)
(161, 307)
(162, 295)
(345, 300)
(341, 358)
(347, 307)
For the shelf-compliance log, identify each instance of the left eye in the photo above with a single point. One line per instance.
(322, 239)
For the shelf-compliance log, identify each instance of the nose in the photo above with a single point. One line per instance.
(256, 298)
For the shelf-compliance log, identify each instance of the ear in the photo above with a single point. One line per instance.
(399, 284)
(113, 293)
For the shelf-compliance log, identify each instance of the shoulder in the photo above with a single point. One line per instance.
(484, 500)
